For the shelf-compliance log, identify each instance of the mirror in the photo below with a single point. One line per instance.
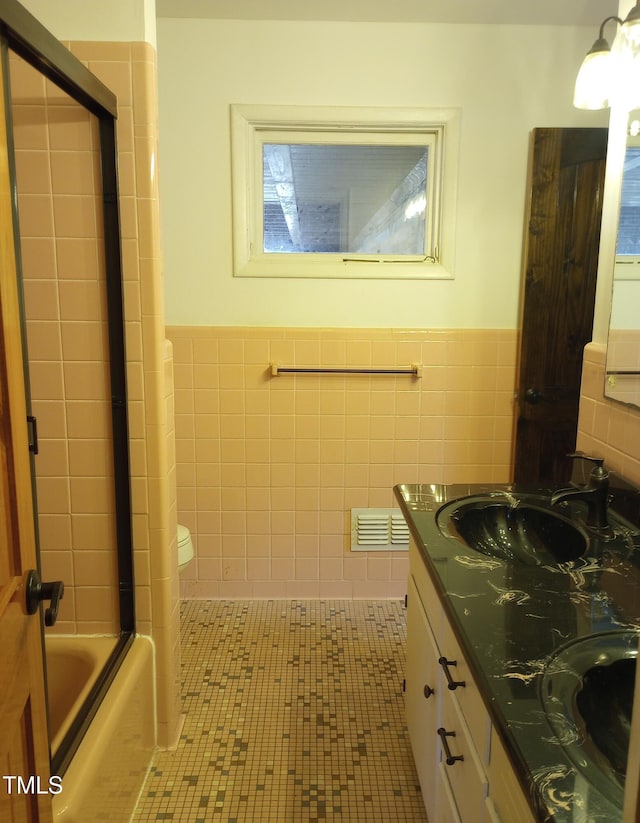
(622, 381)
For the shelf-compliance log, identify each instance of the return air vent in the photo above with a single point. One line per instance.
(378, 530)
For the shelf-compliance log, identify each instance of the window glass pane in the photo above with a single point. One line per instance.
(345, 199)
(629, 225)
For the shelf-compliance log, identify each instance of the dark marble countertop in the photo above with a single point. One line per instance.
(512, 620)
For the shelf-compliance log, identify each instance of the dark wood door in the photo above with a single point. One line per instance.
(561, 258)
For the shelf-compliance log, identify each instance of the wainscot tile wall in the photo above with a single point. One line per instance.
(607, 428)
(57, 170)
(66, 339)
(268, 467)
(623, 355)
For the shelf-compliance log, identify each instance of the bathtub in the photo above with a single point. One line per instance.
(107, 772)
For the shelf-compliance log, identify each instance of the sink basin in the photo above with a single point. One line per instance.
(587, 694)
(513, 529)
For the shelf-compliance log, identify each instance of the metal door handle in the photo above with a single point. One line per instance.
(37, 592)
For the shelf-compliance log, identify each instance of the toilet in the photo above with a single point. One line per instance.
(185, 547)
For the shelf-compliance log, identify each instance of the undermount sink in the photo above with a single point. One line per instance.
(513, 529)
(587, 694)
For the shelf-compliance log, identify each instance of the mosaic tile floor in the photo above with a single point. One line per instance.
(294, 713)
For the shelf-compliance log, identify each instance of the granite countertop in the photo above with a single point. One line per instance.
(513, 619)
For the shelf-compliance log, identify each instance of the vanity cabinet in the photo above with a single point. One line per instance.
(459, 759)
(421, 696)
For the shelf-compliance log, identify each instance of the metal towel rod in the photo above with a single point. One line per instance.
(415, 370)
(625, 373)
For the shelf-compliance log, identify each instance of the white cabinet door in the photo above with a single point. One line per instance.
(422, 697)
(447, 811)
(468, 696)
(465, 772)
(507, 797)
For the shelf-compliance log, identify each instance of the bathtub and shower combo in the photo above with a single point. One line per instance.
(99, 674)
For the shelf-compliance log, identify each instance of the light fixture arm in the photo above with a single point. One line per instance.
(601, 43)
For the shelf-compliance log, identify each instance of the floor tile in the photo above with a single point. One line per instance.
(294, 714)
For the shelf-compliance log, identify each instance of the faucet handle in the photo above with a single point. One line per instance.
(599, 461)
(599, 475)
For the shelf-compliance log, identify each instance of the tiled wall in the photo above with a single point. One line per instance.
(58, 177)
(623, 354)
(66, 286)
(269, 467)
(606, 428)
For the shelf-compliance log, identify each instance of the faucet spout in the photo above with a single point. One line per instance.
(595, 494)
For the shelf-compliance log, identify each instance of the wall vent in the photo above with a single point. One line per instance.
(378, 530)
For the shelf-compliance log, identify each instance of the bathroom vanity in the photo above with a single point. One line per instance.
(522, 639)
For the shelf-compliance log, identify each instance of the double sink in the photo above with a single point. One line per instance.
(587, 686)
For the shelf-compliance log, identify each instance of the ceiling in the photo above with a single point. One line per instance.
(519, 12)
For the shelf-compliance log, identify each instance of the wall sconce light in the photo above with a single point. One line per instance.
(595, 79)
(612, 74)
(626, 49)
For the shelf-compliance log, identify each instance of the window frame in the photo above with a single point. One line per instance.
(253, 126)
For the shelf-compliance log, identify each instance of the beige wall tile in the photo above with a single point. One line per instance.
(75, 172)
(30, 127)
(115, 73)
(69, 127)
(43, 340)
(33, 171)
(27, 84)
(41, 297)
(75, 215)
(78, 258)
(70, 386)
(36, 215)
(296, 453)
(38, 257)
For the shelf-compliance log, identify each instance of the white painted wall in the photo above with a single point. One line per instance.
(506, 79)
(103, 20)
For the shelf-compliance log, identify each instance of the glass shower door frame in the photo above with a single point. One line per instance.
(21, 33)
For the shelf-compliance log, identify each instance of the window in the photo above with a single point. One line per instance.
(343, 192)
(628, 242)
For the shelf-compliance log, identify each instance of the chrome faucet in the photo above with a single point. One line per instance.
(595, 494)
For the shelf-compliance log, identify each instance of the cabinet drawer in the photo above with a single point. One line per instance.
(426, 589)
(468, 696)
(505, 792)
(467, 776)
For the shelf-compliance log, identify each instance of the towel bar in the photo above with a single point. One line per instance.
(414, 370)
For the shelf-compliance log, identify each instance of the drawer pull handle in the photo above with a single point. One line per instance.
(451, 683)
(428, 691)
(450, 759)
